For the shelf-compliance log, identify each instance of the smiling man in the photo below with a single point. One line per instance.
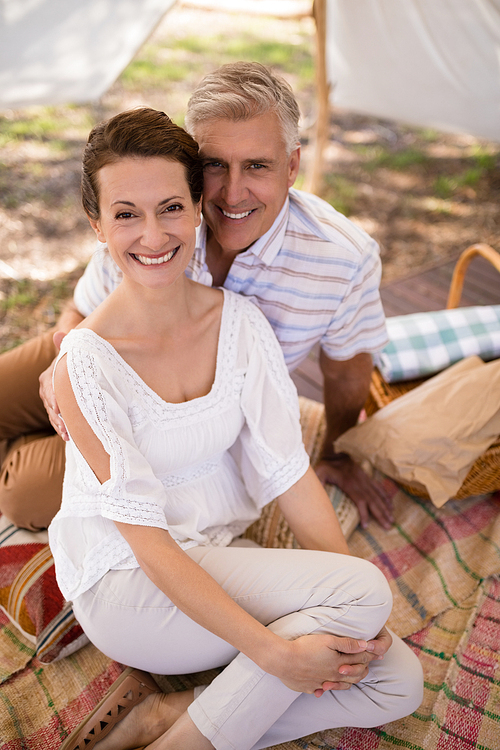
(313, 273)
(247, 174)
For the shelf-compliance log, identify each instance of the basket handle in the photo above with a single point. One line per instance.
(457, 280)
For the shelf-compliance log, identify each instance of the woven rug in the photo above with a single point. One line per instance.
(460, 654)
(441, 566)
(434, 559)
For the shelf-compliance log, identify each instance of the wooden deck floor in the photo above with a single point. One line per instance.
(420, 292)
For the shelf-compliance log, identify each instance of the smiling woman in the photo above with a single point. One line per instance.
(147, 217)
(183, 425)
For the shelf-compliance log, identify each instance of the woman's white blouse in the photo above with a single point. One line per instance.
(202, 469)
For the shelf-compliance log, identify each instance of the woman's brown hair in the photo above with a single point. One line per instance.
(142, 132)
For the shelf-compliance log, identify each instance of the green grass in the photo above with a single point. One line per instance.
(484, 159)
(21, 294)
(28, 293)
(28, 304)
(48, 125)
(193, 44)
(472, 176)
(157, 64)
(429, 134)
(445, 186)
(151, 71)
(61, 290)
(340, 193)
(291, 58)
(398, 160)
(33, 128)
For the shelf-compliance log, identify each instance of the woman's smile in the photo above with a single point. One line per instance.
(155, 260)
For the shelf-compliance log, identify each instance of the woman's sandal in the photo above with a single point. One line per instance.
(130, 689)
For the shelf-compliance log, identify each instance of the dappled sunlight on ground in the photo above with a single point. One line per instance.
(423, 195)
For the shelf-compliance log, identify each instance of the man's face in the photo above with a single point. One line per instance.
(247, 174)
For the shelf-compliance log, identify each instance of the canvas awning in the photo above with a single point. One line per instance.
(56, 51)
(432, 63)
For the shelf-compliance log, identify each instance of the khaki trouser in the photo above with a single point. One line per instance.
(294, 593)
(32, 466)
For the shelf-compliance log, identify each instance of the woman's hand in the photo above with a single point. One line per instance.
(311, 663)
(380, 645)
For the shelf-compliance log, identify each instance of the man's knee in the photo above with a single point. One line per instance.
(31, 481)
(21, 408)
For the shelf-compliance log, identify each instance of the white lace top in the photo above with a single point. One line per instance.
(202, 469)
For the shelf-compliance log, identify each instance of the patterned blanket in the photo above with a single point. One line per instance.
(443, 566)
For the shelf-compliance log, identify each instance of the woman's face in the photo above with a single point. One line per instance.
(148, 218)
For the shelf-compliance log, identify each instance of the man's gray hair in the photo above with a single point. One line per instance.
(240, 91)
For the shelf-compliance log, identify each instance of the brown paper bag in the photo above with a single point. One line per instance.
(431, 436)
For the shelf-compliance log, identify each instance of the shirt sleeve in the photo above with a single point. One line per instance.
(270, 451)
(359, 321)
(99, 279)
(133, 494)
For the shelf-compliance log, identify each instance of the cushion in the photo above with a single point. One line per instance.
(30, 596)
(430, 437)
(422, 344)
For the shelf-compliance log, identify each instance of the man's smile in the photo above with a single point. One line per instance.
(241, 215)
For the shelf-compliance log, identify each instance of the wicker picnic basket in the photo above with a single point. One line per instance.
(484, 476)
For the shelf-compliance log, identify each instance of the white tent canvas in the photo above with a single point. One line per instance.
(56, 51)
(432, 63)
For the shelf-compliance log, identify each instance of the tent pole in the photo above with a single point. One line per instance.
(314, 172)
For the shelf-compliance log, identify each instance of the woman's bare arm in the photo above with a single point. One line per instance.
(311, 517)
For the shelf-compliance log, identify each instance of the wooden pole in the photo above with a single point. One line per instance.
(315, 169)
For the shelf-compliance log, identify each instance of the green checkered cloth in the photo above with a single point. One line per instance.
(422, 344)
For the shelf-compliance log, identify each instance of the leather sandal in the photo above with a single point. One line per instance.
(130, 689)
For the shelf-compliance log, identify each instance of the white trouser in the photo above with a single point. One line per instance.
(294, 593)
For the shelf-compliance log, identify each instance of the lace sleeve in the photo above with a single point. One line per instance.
(133, 494)
(270, 450)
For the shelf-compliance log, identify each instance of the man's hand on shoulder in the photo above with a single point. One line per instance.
(47, 392)
(369, 497)
(69, 319)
